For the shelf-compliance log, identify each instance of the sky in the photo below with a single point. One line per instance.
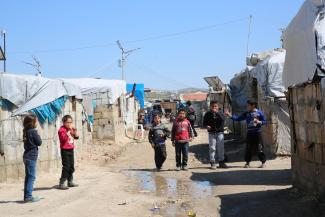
(180, 42)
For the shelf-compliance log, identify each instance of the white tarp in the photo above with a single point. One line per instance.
(116, 88)
(269, 74)
(304, 41)
(28, 92)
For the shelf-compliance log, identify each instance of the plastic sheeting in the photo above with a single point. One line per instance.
(269, 74)
(29, 92)
(139, 92)
(50, 110)
(304, 40)
(242, 89)
(116, 88)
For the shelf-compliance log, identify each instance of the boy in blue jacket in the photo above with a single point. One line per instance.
(254, 119)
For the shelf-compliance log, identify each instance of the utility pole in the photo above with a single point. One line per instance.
(3, 34)
(124, 55)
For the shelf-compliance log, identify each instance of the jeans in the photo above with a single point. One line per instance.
(67, 165)
(160, 155)
(216, 144)
(181, 149)
(30, 176)
(254, 144)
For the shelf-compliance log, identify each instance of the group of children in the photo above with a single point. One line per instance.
(32, 140)
(214, 121)
(181, 135)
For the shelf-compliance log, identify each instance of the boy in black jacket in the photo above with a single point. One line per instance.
(158, 134)
(214, 122)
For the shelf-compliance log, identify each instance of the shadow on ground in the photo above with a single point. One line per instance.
(272, 203)
(245, 177)
(234, 149)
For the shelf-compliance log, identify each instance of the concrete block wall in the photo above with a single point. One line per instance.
(107, 121)
(307, 108)
(11, 164)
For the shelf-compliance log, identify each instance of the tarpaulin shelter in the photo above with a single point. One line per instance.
(263, 82)
(43, 96)
(304, 40)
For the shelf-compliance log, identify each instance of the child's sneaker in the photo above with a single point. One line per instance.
(62, 186)
(185, 168)
(262, 165)
(178, 168)
(32, 200)
(223, 165)
(71, 184)
(213, 166)
(247, 166)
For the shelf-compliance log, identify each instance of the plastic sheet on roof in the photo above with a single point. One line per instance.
(269, 74)
(116, 88)
(304, 40)
(29, 92)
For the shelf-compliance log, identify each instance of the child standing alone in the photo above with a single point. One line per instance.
(157, 138)
(67, 134)
(31, 140)
(182, 134)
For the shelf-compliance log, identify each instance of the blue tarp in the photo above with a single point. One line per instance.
(50, 110)
(6, 105)
(139, 92)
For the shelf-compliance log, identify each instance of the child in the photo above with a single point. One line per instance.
(31, 140)
(182, 134)
(158, 134)
(214, 121)
(191, 116)
(67, 135)
(254, 119)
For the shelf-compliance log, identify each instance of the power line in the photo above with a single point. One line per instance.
(135, 41)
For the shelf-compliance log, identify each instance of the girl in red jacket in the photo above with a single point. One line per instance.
(182, 134)
(67, 135)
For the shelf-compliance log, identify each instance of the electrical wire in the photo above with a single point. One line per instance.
(134, 41)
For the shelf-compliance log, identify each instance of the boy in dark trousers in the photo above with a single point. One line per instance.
(254, 119)
(182, 134)
(158, 134)
(67, 134)
(214, 121)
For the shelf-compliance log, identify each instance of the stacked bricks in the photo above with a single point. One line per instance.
(106, 118)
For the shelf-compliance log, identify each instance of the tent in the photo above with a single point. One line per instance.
(43, 96)
(304, 40)
(263, 82)
(115, 88)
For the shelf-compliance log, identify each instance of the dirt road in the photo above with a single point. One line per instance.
(129, 187)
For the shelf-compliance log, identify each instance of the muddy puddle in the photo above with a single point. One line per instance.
(180, 196)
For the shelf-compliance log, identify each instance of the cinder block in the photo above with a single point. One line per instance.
(21, 170)
(10, 152)
(107, 115)
(3, 173)
(97, 115)
(12, 172)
